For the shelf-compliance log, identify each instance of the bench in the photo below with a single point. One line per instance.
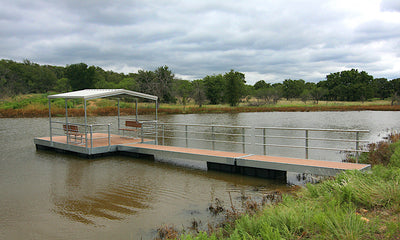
(73, 130)
(131, 126)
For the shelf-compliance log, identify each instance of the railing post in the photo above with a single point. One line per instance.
(213, 137)
(264, 141)
(91, 139)
(86, 139)
(243, 140)
(109, 136)
(142, 133)
(186, 135)
(357, 145)
(306, 144)
(163, 134)
(156, 130)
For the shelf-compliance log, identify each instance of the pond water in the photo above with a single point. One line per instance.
(48, 195)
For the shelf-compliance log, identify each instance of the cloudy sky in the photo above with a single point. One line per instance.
(267, 39)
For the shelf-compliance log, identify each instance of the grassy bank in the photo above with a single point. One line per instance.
(36, 105)
(353, 205)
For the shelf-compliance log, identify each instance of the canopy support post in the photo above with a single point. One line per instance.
(66, 120)
(51, 131)
(156, 127)
(119, 118)
(86, 143)
(136, 106)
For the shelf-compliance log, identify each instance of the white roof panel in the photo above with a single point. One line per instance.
(99, 93)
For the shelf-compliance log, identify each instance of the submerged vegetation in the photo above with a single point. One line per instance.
(353, 205)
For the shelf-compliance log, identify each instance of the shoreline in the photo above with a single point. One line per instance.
(112, 111)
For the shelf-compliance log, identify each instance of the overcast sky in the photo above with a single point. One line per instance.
(270, 40)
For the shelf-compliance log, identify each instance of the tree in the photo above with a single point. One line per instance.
(184, 90)
(128, 83)
(349, 85)
(395, 90)
(235, 86)
(62, 85)
(318, 93)
(214, 87)
(381, 88)
(293, 88)
(80, 76)
(305, 95)
(198, 92)
(164, 82)
(261, 84)
(147, 82)
(276, 92)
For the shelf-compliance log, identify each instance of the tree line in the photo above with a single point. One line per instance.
(228, 88)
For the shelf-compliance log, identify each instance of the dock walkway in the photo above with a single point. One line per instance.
(248, 164)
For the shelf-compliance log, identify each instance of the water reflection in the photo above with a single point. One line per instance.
(86, 198)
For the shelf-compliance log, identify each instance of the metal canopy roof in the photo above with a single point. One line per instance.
(100, 93)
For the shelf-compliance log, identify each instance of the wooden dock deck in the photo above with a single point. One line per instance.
(248, 164)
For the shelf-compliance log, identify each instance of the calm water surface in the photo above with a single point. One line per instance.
(47, 195)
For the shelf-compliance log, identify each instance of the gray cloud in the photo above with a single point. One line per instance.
(271, 40)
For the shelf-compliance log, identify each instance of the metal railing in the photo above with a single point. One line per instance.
(83, 132)
(245, 136)
(309, 139)
(211, 134)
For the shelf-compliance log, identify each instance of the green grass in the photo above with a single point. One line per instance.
(353, 205)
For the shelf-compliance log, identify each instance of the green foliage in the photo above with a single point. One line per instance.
(293, 88)
(349, 85)
(214, 88)
(198, 92)
(261, 84)
(80, 76)
(62, 85)
(331, 209)
(27, 77)
(184, 90)
(234, 88)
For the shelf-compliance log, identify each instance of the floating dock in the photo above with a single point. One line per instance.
(91, 140)
(242, 163)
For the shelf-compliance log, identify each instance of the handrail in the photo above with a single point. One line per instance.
(252, 138)
(315, 129)
(188, 130)
(308, 139)
(85, 136)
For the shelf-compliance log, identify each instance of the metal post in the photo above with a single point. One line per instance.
(213, 137)
(85, 122)
(109, 135)
(66, 120)
(163, 134)
(156, 122)
(306, 144)
(141, 127)
(51, 131)
(136, 109)
(357, 145)
(186, 135)
(91, 139)
(264, 142)
(119, 117)
(156, 110)
(243, 140)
